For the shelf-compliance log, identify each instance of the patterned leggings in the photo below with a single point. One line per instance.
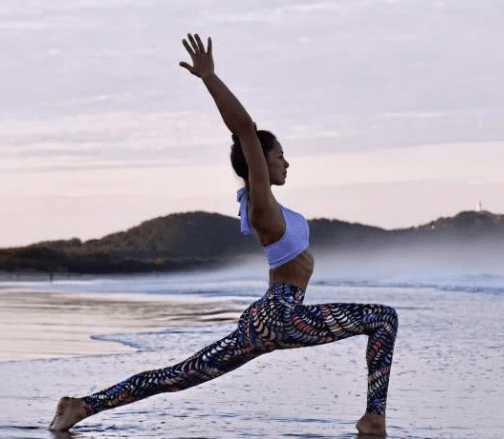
(279, 320)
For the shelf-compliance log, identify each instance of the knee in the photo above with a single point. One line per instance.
(392, 318)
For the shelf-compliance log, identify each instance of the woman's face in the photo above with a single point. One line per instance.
(277, 165)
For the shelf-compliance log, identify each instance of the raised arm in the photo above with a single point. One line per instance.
(232, 111)
(236, 119)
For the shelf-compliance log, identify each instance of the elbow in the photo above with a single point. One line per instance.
(244, 127)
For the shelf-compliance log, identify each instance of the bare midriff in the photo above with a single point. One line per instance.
(296, 272)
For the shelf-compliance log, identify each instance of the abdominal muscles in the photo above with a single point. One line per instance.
(296, 272)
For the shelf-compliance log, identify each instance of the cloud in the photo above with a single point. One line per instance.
(118, 139)
(471, 162)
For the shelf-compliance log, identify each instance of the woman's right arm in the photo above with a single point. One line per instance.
(234, 116)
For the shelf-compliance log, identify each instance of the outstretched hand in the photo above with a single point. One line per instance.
(202, 60)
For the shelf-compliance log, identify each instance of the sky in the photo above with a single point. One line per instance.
(389, 111)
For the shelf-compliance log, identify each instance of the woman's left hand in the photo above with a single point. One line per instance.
(202, 60)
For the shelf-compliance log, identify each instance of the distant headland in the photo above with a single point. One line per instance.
(195, 240)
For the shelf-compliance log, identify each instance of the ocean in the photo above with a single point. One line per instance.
(446, 377)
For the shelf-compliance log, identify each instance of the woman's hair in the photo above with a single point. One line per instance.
(238, 161)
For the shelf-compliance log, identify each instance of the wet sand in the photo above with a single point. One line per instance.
(446, 377)
(38, 325)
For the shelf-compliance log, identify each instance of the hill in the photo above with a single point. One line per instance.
(200, 239)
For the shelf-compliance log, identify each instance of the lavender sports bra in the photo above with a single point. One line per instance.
(293, 242)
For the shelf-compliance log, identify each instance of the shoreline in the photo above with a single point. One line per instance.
(42, 325)
(443, 338)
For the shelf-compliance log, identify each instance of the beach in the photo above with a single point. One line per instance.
(37, 325)
(446, 377)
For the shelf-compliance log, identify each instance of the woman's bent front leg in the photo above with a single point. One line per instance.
(380, 324)
(319, 324)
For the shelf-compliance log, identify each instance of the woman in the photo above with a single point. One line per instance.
(278, 320)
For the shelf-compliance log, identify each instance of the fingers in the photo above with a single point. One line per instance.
(185, 65)
(189, 68)
(201, 47)
(196, 45)
(195, 48)
(188, 48)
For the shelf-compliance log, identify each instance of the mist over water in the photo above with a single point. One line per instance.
(448, 269)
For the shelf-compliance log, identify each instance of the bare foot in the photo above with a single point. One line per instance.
(68, 412)
(373, 425)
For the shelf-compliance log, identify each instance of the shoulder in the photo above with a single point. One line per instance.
(266, 217)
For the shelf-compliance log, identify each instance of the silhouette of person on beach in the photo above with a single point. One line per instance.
(278, 320)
